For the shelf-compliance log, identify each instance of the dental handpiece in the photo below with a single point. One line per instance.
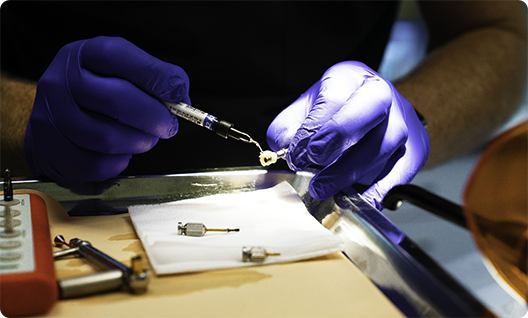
(221, 127)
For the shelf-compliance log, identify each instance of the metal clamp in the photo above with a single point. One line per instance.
(114, 275)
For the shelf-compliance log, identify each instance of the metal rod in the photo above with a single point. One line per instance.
(90, 284)
(426, 200)
(97, 257)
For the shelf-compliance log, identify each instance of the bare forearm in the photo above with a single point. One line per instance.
(16, 98)
(468, 88)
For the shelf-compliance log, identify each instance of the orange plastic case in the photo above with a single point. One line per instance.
(32, 293)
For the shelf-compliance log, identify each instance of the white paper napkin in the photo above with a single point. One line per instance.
(274, 218)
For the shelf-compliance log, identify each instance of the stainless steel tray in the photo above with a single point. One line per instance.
(413, 281)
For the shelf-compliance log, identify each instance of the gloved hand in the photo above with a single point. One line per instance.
(96, 105)
(358, 127)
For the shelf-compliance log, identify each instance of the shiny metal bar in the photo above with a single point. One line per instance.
(90, 284)
(86, 250)
(408, 276)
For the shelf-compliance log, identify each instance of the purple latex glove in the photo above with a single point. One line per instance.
(358, 127)
(96, 105)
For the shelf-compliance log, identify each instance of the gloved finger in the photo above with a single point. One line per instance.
(378, 146)
(338, 84)
(401, 169)
(389, 177)
(282, 129)
(117, 57)
(99, 133)
(90, 130)
(364, 110)
(123, 101)
(94, 167)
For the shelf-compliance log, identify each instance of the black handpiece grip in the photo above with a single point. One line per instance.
(8, 186)
(221, 128)
(426, 200)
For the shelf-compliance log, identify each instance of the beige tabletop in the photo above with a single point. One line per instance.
(329, 286)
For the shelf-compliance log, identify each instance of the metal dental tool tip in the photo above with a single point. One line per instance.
(199, 229)
(238, 135)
